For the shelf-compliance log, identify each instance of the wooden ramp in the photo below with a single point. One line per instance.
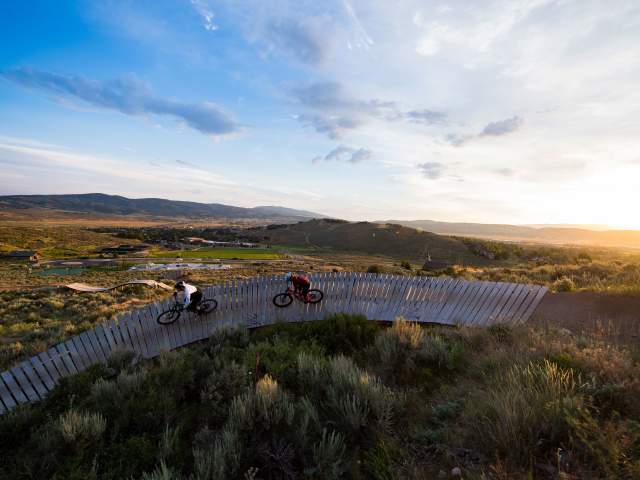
(248, 303)
(83, 287)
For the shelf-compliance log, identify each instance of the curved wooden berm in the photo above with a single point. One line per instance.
(248, 303)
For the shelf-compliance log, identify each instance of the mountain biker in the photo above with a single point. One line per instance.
(190, 296)
(301, 283)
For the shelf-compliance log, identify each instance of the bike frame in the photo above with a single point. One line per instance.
(295, 294)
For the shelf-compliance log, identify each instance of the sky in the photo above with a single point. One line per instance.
(510, 111)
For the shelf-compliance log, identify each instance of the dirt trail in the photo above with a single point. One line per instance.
(614, 315)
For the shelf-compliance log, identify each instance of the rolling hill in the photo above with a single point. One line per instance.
(565, 235)
(100, 203)
(365, 237)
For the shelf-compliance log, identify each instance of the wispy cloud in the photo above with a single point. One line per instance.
(129, 96)
(205, 12)
(345, 154)
(301, 38)
(492, 129)
(432, 170)
(336, 112)
(502, 127)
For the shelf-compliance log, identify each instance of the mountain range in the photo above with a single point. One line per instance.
(101, 203)
(554, 234)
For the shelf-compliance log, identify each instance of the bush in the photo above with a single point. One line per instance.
(81, 428)
(374, 269)
(526, 410)
(563, 284)
(404, 354)
(406, 265)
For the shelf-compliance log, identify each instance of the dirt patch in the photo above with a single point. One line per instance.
(616, 316)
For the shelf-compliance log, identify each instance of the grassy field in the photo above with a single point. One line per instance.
(342, 398)
(223, 253)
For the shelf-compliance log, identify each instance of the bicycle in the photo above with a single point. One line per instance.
(286, 298)
(169, 316)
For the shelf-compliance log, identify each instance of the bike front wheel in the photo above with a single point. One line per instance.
(314, 296)
(207, 306)
(168, 316)
(282, 300)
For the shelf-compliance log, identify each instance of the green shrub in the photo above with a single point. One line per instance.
(374, 269)
(80, 428)
(526, 410)
(404, 354)
(502, 332)
(564, 284)
(406, 265)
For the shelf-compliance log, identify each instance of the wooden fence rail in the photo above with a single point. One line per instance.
(249, 303)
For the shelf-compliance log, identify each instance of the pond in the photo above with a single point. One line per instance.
(60, 271)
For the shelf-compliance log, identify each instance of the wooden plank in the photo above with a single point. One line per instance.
(120, 324)
(139, 320)
(542, 291)
(161, 333)
(16, 392)
(467, 296)
(433, 299)
(453, 301)
(90, 336)
(129, 323)
(500, 303)
(515, 299)
(401, 295)
(24, 384)
(83, 357)
(77, 359)
(103, 341)
(58, 362)
(534, 291)
(149, 330)
(521, 305)
(474, 301)
(33, 378)
(381, 296)
(91, 354)
(46, 369)
(6, 396)
(473, 296)
(65, 358)
(493, 296)
(108, 333)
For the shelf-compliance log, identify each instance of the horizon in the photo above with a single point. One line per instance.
(592, 227)
(514, 113)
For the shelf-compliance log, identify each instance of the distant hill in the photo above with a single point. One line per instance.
(563, 234)
(364, 237)
(157, 207)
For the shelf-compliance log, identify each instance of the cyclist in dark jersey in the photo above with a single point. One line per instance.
(301, 283)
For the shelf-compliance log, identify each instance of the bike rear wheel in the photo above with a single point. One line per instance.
(168, 316)
(207, 306)
(282, 300)
(314, 295)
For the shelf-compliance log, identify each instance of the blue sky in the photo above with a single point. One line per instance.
(495, 111)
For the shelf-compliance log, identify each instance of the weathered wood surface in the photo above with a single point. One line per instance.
(249, 303)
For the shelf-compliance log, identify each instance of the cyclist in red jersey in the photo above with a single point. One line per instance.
(301, 283)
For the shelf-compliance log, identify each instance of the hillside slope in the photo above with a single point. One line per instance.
(158, 207)
(372, 238)
(549, 234)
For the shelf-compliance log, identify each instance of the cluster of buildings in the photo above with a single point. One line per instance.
(214, 243)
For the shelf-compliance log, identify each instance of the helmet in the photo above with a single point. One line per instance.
(179, 285)
(288, 276)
